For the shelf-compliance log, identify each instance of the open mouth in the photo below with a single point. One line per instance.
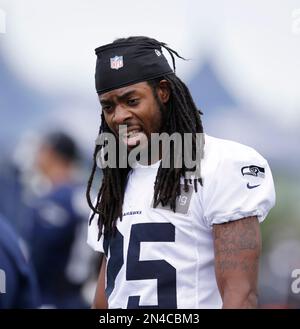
(132, 137)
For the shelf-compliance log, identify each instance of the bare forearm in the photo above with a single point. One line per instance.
(100, 301)
(237, 248)
(240, 301)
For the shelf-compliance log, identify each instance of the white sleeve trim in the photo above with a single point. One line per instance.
(92, 236)
(95, 244)
(260, 213)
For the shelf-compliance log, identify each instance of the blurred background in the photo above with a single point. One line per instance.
(243, 70)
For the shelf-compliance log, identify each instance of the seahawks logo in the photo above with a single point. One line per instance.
(255, 171)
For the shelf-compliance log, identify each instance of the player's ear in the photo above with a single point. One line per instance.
(164, 91)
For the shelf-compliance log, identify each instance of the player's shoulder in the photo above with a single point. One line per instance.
(225, 156)
(218, 149)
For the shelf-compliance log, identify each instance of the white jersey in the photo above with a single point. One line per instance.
(164, 259)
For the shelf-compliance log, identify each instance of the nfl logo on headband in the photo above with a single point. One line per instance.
(126, 62)
(116, 62)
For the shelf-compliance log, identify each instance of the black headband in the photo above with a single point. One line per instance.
(128, 62)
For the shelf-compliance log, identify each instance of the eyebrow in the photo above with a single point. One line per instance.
(120, 98)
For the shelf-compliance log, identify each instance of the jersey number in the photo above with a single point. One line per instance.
(162, 271)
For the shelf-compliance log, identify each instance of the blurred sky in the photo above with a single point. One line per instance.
(55, 39)
(252, 46)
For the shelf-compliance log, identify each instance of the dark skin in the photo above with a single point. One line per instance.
(136, 107)
(237, 248)
(237, 244)
(100, 301)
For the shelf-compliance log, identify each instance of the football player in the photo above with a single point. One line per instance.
(171, 240)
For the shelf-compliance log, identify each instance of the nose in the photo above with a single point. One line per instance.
(121, 115)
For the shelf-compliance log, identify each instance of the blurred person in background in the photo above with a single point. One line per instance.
(12, 190)
(18, 284)
(55, 230)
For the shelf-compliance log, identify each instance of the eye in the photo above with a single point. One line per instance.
(107, 108)
(133, 101)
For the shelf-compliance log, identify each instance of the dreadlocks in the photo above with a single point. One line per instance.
(182, 117)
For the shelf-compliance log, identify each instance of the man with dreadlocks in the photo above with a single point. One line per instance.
(170, 241)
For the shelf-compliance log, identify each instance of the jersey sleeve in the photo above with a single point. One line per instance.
(241, 186)
(92, 236)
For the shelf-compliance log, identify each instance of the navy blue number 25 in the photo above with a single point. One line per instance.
(152, 269)
(143, 270)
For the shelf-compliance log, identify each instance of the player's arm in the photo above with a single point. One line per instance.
(100, 301)
(237, 246)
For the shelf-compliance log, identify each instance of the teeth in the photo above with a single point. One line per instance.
(132, 133)
(129, 134)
